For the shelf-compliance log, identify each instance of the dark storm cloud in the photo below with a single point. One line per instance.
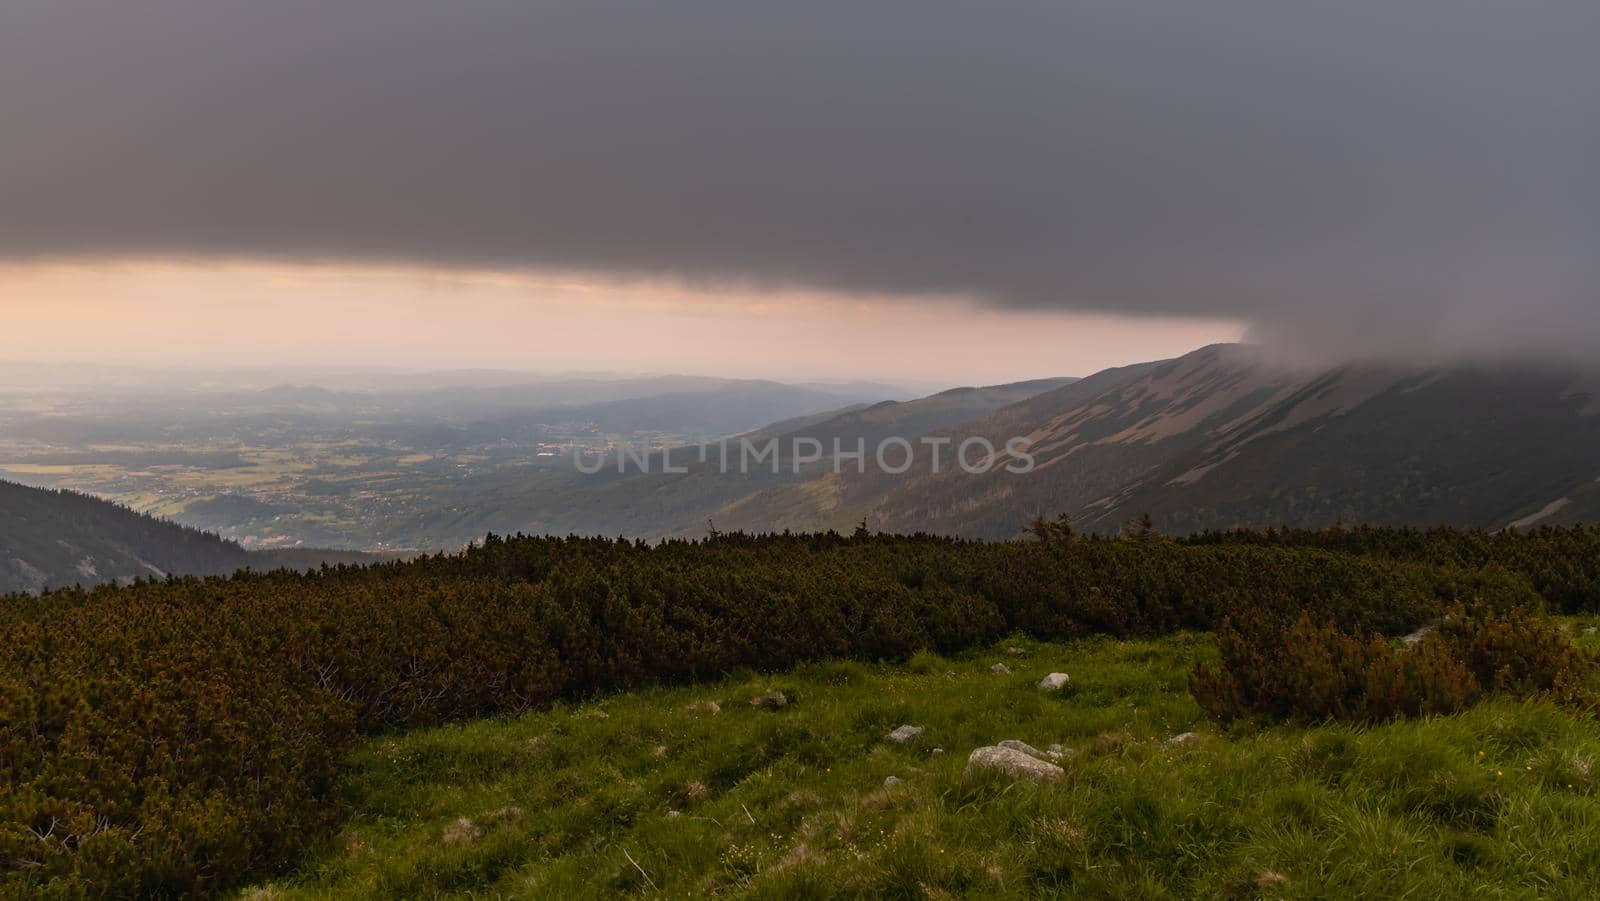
(1386, 173)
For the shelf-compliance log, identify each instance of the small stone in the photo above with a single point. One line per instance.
(704, 707)
(673, 814)
(1054, 682)
(1057, 752)
(905, 734)
(891, 782)
(1184, 738)
(1000, 669)
(659, 752)
(1015, 651)
(936, 751)
(1588, 630)
(772, 700)
(1013, 763)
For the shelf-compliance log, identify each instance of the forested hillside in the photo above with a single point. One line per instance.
(52, 539)
(57, 538)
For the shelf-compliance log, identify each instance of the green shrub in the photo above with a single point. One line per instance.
(1314, 670)
(1561, 562)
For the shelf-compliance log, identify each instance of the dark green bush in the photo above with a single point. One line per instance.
(1561, 563)
(1315, 670)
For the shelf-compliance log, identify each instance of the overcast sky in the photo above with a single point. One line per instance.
(1354, 177)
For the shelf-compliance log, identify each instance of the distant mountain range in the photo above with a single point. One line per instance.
(721, 409)
(1222, 437)
(440, 417)
(658, 503)
(60, 538)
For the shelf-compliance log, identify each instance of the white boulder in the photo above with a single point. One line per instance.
(1054, 682)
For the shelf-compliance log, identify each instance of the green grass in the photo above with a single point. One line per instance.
(654, 794)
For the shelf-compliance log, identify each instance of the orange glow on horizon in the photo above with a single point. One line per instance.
(158, 312)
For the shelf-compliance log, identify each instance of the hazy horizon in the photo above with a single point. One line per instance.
(252, 315)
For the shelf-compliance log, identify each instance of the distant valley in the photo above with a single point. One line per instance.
(382, 466)
(1218, 438)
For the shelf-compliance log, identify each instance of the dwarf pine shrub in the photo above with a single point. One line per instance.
(1314, 670)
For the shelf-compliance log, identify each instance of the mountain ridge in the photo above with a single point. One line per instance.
(53, 538)
(1223, 437)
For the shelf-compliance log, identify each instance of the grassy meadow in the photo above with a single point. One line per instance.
(696, 792)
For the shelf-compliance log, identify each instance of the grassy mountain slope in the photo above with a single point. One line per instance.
(821, 501)
(1483, 447)
(913, 418)
(692, 792)
(1221, 437)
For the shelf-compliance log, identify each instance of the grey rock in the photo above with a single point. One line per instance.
(1000, 669)
(1022, 746)
(1184, 738)
(906, 733)
(891, 782)
(1013, 763)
